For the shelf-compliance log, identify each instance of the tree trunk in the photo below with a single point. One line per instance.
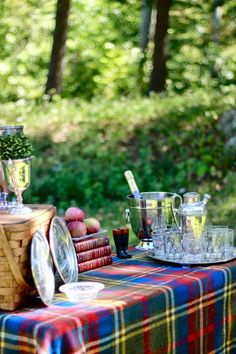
(146, 12)
(217, 15)
(158, 75)
(54, 80)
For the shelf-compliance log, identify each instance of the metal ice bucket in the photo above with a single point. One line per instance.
(151, 214)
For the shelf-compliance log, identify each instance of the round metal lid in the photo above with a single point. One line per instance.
(42, 267)
(63, 251)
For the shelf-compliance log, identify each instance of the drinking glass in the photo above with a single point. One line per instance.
(173, 244)
(193, 247)
(158, 244)
(229, 243)
(215, 243)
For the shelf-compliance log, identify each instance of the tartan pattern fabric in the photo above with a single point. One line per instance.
(146, 307)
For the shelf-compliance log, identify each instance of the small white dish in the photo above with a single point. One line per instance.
(81, 291)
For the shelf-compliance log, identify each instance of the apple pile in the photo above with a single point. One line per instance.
(78, 225)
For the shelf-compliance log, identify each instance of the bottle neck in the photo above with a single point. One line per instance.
(134, 188)
(132, 185)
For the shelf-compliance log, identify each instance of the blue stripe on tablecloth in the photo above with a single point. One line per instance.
(152, 307)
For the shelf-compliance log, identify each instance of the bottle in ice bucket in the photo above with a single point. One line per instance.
(132, 184)
(141, 210)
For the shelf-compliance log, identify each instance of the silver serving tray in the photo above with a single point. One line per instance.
(151, 254)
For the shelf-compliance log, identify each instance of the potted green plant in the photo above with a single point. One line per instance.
(14, 147)
(16, 154)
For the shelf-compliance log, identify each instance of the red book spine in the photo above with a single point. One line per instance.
(91, 243)
(93, 253)
(95, 263)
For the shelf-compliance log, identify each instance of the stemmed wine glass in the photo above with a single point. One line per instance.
(17, 176)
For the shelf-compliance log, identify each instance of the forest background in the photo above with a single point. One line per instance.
(107, 120)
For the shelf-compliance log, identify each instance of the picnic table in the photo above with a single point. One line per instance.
(147, 306)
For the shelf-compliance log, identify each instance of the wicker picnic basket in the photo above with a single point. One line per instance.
(16, 232)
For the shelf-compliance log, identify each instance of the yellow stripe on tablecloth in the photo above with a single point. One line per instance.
(146, 325)
(226, 297)
(11, 346)
(78, 325)
(152, 322)
(170, 315)
(4, 335)
(116, 306)
(230, 312)
(200, 306)
(227, 294)
(155, 320)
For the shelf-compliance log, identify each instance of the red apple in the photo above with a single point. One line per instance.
(77, 228)
(92, 224)
(73, 214)
(149, 221)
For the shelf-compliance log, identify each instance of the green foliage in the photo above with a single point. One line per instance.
(171, 143)
(102, 49)
(101, 56)
(17, 146)
(223, 210)
(195, 59)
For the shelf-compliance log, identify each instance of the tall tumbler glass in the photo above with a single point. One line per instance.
(229, 244)
(193, 248)
(173, 244)
(215, 243)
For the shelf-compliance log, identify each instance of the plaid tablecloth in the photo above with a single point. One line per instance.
(146, 307)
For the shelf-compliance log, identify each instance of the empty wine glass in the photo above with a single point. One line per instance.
(17, 176)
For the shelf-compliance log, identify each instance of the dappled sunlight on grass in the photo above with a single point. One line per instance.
(172, 143)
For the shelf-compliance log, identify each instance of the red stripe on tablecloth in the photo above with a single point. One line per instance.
(146, 334)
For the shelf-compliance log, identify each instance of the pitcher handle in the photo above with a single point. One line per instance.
(174, 210)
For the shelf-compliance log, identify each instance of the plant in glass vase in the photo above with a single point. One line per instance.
(16, 154)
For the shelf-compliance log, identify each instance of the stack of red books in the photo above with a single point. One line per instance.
(93, 252)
